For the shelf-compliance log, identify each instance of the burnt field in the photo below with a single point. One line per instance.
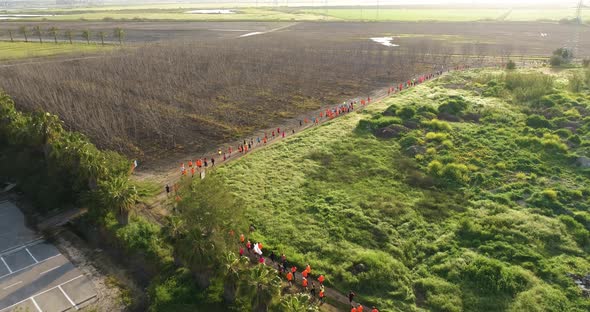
(189, 86)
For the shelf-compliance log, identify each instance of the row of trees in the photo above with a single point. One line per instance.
(69, 35)
(56, 167)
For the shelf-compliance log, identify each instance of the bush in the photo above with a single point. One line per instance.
(556, 61)
(541, 298)
(576, 81)
(406, 112)
(378, 122)
(528, 86)
(436, 136)
(454, 105)
(537, 121)
(439, 294)
(457, 173)
(511, 65)
(437, 125)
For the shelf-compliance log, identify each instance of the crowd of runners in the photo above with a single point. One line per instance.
(198, 166)
(286, 270)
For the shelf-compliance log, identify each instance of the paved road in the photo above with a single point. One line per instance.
(34, 275)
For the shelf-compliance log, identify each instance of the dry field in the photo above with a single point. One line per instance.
(199, 84)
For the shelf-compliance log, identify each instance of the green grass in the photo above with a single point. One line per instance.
(19, 50)
(173, 14)
(451, 15)
(490, 217)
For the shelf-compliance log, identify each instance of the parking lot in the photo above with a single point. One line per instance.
(34, 275)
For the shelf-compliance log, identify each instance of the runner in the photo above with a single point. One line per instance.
(304, 283)
(374, 309)
(290, 278)
(353, 309)
(321, 279)
(205, 162)
(261, 260)
(212, 161)
(241, 251)
(272, 256)
(249, 246)
(359, 308)
(312, 291)
(167, 190)
(304, 274)
(322, 297)
(351, 296)
(192, 172)
(242, 238)
(294, 271)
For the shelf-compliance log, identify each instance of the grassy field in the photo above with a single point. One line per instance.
(487, 211)
(452, 15)
(177, 12)
(18, 50)
(174, 14)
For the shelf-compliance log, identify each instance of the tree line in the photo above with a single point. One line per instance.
(68, 35)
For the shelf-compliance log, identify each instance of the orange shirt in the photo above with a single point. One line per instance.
(304, 274)
(308, 269)
(293, 269)
(321, 279)
(353, 309)
(359, 308)
(289, 276)
(304, 283)
(321, 293)
(374, 310)
(242, 238)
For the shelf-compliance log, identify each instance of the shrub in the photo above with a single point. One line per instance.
(436, 136)
(454, 105)
(556, 61)
(511, 65)
(528, 86)
(406, 112)
(586, 63)
(437, 125)
(538, 121)
(439, 294)
(378, 122)
(411, 139)
(576, 81)
(541, 298)
(550, 194)
(457, 173)
(435, 167)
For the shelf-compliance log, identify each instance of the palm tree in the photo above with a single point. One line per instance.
(38, 32)
(69, 35)
(86, 35)
(47, 128)
(266, 285)
(25, 31)
(53, 32)
(119, 34)
(120, 196)
(298, 303)
(234, 268)
(101, 35)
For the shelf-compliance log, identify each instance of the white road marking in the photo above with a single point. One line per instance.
(36, 305)
(28, 266)
(264, 32)
(9, 270)
(68, 297)
(38, 294)
(5, 288)
(44, 272)
(30, 254)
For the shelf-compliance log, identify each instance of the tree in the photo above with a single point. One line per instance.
(298, 303)
(24, 31)
(69, 35)
(119, 34)
(47, 128)
(235, 268)
(86, 35)
(53, 31)
(266, 285)
(101, 35)
(208, 212)
(119, 195)
(511, 65)
(38, 32)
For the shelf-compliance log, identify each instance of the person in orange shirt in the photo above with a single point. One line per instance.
(374, 309)
(304, 273)
(290, 278)
(192, 171)
(359, 308)
(322, 296)
(353, 309)
(190, 163)
(242, 238)
(308, 269)
(321, 279)
(304, 283)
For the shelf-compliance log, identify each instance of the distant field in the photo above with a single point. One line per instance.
(178, 13)
(454, 15)
(17, 50)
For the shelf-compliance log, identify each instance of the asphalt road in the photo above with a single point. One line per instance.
(34, 275)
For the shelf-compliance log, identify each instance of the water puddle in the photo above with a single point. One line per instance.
(386, 41)
(210, 12)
